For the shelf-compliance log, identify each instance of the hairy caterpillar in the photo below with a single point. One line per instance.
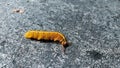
(47, 35)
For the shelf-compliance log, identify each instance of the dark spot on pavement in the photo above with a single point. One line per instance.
(2, 43)
(94, 54)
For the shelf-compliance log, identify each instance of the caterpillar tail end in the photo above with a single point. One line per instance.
(28, 35)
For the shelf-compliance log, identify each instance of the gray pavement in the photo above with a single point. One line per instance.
(92, 26)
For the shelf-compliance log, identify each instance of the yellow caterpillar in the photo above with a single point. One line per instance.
(47, 35)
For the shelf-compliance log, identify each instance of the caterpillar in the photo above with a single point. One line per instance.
(47, 35)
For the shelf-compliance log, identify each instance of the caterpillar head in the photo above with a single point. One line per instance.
(64, 43)
(28, 34)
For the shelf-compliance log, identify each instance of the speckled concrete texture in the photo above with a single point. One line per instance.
(91, 26)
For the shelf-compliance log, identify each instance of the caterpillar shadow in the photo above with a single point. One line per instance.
(51, 41)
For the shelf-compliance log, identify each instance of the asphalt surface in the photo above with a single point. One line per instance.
(91, 26)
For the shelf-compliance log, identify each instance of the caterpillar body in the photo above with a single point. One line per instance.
(47, 35)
